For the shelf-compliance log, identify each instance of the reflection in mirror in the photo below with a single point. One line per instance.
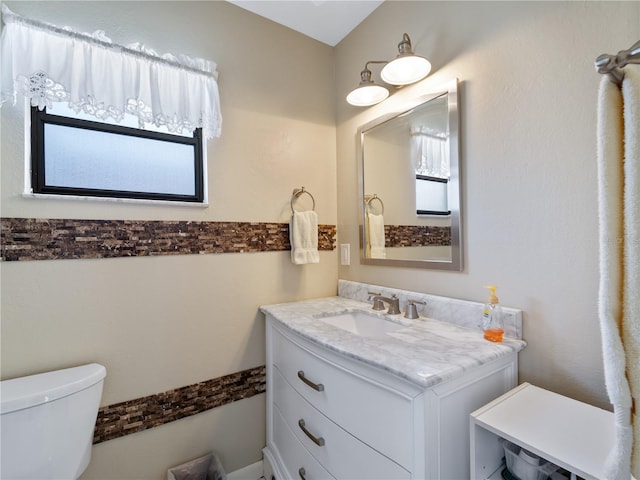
(410, 185)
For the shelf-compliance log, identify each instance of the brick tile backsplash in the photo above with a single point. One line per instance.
(54, 239)
(133, 416)
(416, 236)
(51, 239)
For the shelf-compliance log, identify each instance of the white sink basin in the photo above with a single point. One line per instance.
(362, 324)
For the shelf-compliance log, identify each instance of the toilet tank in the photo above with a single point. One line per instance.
(47, 422)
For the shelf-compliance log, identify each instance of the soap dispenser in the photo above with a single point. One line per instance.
(492, 319)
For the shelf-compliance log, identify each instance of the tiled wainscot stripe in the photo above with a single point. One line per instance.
(143, 413)
(416, 236)
(50, 239)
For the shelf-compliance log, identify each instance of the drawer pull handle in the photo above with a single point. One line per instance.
(317, 440)
(316, 386)
(302, 474)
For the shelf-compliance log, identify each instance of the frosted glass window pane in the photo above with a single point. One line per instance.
(81, 158)
(431, 195)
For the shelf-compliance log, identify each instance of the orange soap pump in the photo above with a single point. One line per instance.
(492, 322)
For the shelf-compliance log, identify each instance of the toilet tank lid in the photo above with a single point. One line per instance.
(25, 392)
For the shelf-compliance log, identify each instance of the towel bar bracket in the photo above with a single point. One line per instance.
(371, 198)
(297, 192)
(614, 64)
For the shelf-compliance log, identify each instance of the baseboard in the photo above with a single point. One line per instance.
(250, 472)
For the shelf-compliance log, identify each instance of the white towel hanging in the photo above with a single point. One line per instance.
(375, 236)
(619, 306)
(303, 235)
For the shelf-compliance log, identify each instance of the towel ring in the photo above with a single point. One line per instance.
(371, 198)
(296, 193)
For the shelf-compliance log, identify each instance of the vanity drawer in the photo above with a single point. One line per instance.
(293, 454)
(343, 455)
(378, 416)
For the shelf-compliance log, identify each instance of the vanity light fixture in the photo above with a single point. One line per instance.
(405, 69)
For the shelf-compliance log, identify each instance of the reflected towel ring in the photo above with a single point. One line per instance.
(296, 193)
(371, 198)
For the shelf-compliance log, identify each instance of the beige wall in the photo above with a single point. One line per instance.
(159, 323)
(528, 154)
(528, 102)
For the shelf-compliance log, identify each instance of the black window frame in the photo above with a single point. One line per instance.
(40, 118)
(443, 213)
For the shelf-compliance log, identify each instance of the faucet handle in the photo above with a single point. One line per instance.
(412, 311)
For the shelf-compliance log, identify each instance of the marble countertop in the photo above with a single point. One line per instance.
(426, 352)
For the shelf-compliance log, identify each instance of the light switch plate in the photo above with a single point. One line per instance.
(345, 254)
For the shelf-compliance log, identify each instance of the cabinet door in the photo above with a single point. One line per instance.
(452, 403)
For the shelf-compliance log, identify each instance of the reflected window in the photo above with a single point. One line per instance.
(431, 195)
(430, 157)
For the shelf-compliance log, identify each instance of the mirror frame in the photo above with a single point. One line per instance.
(453, 194)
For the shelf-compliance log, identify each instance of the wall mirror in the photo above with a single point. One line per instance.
(409, 192)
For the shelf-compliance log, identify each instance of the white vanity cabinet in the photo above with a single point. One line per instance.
(333, 416)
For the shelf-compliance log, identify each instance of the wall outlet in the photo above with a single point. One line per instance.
(345, 254)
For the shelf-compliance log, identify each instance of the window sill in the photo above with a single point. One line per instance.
(76, 198)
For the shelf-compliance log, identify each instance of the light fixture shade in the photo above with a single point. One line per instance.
(405, 70)
(407, 67)
(367, 95)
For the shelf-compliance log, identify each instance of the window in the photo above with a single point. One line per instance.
(55, 68)
(71, 155)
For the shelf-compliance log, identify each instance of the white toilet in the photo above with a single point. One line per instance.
(46, 423)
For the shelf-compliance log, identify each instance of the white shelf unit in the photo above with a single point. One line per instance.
(571, 434)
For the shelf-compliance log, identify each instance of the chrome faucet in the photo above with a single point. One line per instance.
(379, 301)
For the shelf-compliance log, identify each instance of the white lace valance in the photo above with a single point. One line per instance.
(429, 152)
(49, 64)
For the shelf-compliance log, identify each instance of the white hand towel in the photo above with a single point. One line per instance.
(303, 235)
(376, 236)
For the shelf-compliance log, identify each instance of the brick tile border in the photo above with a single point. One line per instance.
(416, 236)
(133, 416)
(52, 239)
